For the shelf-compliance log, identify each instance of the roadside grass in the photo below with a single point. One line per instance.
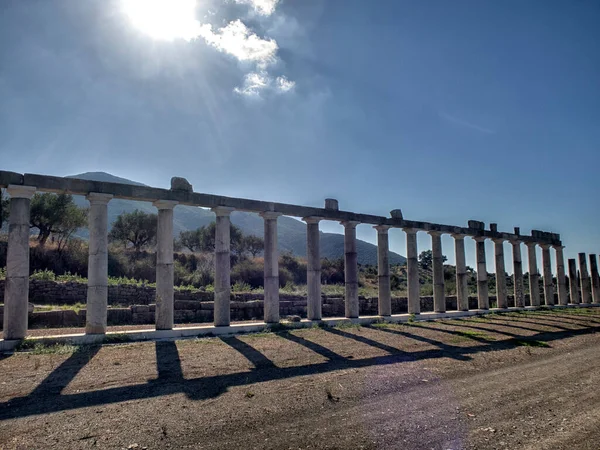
(75, 307)
(45, 348)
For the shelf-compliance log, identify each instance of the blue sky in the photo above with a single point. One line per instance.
(448, 110)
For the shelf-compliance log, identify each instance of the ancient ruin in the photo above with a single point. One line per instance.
(22, 187)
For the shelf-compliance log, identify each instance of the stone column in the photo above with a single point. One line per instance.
(351, 268)
(412, 269)
(97, 291)
(518, 274)
(547, 267)
(271, 302)
(534, 276)
(560, 276)
(573, 284)
(586, 295)
(462, 288)
(313, 274)
(501, 291)
(595, 279)
(483, 297)
(164, 265)
(222, 315)
(383, 270)
(439, 293)
(16, 290)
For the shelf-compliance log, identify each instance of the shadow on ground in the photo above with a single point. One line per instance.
(47, 397)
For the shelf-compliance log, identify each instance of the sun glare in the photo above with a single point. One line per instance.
(164, 19)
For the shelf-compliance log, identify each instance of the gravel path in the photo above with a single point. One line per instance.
(519, 381)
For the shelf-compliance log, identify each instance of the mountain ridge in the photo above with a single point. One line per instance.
(291, 232)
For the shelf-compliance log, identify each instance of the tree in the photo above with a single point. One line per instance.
(137, 228)
(203, 239)
(253, 245)
(426, 259)
(75, 219)
(52, 213)
(4, 208)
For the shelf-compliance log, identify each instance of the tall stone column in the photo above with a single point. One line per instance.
(439, 293)
(586, 294)
(313, 274)
(222, 315)
(573, 284)
(383, 270)
(483, 297)
(501, 291)
(16, 290)
(547, 267)
(271, 303)
(462, 288)
(164, 265)
(97, 291)
(560, 276)
(518, 274)
(595, 279)
(534, 276)
(351, 268)
(412, 269)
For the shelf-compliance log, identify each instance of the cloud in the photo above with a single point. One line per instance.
(237, 40)
(262, 7)
(464, 123)
(255, 83)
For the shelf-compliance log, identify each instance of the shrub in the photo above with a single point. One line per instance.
(43, 275)
(250, 272)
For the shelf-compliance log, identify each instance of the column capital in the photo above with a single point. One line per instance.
(312, 219)
(165, 204)
(531, 244)
(479, 238)
(498, 240)
(410, 230)
(270, 215)
(545, 246)
(458, 236)
(558, 247)
(96, 198)
(435, 233)
(515, 242)
(222, 211)
(382, 228)
(18, 191)
(349, 223)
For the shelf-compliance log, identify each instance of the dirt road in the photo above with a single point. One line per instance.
(516, 381)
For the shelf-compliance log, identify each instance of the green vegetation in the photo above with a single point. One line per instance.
(57, 215)
(136, 228)
(531, 343)
(45, 348)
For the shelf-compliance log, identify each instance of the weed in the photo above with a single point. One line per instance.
(249, 394)
(45, 348)
(475, 335)
(347, 324)
(531, 343)
(116, 338)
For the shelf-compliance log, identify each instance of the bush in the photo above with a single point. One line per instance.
(43, 275)
(250, 272)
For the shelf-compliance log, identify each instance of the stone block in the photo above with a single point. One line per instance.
(476, 225)
(119, 316)
(143, 318)
(207, 306)
(152, 307)
(187, 304)
(204, 316)
(184, 316)
(181, 184)
(332, 203)
(138, 309)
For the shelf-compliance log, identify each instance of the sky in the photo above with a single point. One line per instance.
(450, 111)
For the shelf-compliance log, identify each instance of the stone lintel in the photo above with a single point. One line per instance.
(165, 204)
(222, 211)
(17, 191)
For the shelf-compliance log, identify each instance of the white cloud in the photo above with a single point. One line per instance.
(262, 7)
(237, 40)
(255, 83)
(284, 85)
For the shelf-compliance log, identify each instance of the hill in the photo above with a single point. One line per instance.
(291, 232)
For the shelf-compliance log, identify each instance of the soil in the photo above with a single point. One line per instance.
(514, 381)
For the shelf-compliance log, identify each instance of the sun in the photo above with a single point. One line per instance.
(164, 19)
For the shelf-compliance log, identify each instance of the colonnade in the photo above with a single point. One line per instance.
(17, 279)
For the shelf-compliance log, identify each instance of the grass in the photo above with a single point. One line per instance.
(477, 335)
(531, 343)
(116, 338)
(45, 348)
(75, 307)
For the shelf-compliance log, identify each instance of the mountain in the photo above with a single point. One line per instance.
(291, 232)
